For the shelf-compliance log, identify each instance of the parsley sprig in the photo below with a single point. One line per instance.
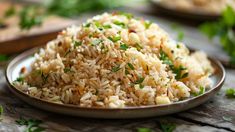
(230, 93)
(224, 30)
(32, 124)
(179, 71)
(167, 127)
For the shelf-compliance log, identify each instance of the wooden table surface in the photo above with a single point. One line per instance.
(216, 115)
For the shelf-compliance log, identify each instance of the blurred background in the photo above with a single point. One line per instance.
(201, 24)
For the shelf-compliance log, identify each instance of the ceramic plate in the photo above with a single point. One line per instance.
(24, 60)
(191, 14)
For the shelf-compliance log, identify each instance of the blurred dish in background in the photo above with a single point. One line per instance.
(196, 9)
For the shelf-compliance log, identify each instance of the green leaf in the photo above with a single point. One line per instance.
(230, 93)
(10, 12)
(147, 24)
(32, 124)
(20, 79)
(180, 35)
(3, 58)
(143, 129)
(130, 66)
(116, 68)
(67, 69)
(124, 46)
(115, 38)
(139, 80)
(77, 43)
(167, 127)
(107, 26)
(202, 91)
(121, 24)
(138, 46)
(29, 17)
(229, 16)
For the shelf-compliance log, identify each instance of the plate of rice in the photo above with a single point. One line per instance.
(114, 66)
(195, 9)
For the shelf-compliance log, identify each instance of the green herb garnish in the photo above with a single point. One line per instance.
(147, 24)
(138, 46)
(202, 91)
(67, 69)
(67, 52)
(115, 38)
(77, 43)
(121, 24)
(128, 15)
(30, 17)
(3, 58)
(130, 66)
(167, 127)
(224, 30)
(180, 33)
(10, 12)
(20, 79)
(32, 124)
(124, 46)
(143, 129)
(116, 68)
(139, 80)
(230, 93)
(107, 26)
(179, 71)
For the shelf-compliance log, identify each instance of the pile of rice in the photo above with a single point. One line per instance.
(115, 61)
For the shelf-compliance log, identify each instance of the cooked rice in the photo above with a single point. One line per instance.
(115, 61)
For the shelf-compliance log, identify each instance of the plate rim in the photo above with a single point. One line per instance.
(27, 53)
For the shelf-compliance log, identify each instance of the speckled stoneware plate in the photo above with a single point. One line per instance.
(24, 60)
(191, 14)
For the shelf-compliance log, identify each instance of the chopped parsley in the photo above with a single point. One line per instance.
(32, 124)
(67, 69)
(42, 75)
(20, 79)
(29, 17)
(139, 80)
(124, 46)
(121, 24)
(3, 58)
(107, 26)
(167, 127)
(143, 129)
(116, 68)
(130, 66)
(138, 46)
(147, 24)
(180, 33)
(96, 42)
(128, 15)
(10, 12)
(115, 38)
(202, 91)
(77, 43)
(87, 25)
(179, 71)
(67, 52)
(230, 93)
(177, 46)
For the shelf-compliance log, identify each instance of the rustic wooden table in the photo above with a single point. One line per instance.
(216, 115)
